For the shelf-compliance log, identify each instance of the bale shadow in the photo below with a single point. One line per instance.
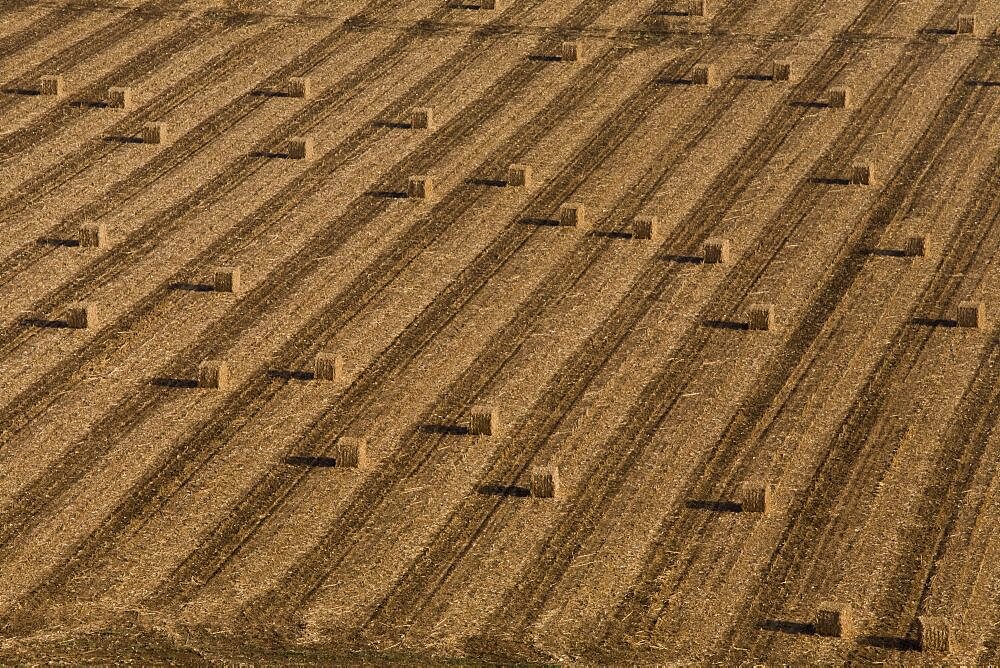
(889, 642)
(830, 181)
(52, 241)
(934, 322)
(269, 93)
(669, 12)
(884, 252)
(20, 91)
(387, 194)
(714, 506)
(540, 222)
(488, 183)
(503, 490)
(45, 322)
(785, 626)
(754, 77)
(939, 31)
(686, 259)
(444, 429)
(393, 125)
(676, 81)
(810, 104)
(91, 104)
(611, 234)
(287, 374)
(311, 462)
(544, 58)
(122, 139)
(725, 324)
(191, 287)
(163, 381)
(981, 82)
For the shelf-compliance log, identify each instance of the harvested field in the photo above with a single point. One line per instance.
(598, 331)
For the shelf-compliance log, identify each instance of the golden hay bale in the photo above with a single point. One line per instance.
(717, 250)
(94, 235)
(917, 245)
(155, 133)
(971, 314)
(488, 4)
(933, 634)
(761, 316)
(300, 148)
(422, 118)
(484, 420)
(704, 74)
(966, 24)
(81, 315)
(756, 497)
(52, 84)
(573, 214)
(300, 87)
(835, 620)
(781, 70)
(862, 174)
(213, 375)
(839, 98)
(328, 366)
(697, 8)
(519, 176)
(545, 482)
(227, 279)
(350, 452)
(120, 98)
(420, 187)
(645, 227)
(571, 51)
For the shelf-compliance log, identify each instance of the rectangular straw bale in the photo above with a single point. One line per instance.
(545, 482)
(835, 620)
(350, 452)
(484, 420)
(93, 235)
(227, 279)
(81, 315)
(328, 366)
(214, 375)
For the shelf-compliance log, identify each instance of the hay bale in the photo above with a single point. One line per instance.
(420, 187)
(571, 51)
(756, 497)
(300, 87)
(697, 8)
(488, 4)
(300, 148)
(350, 452)
(120, 98)
(645, 227)
(519, 176)
(422, 118)
(81, 315)
(484, 420)
(155, 133)
(328, 366)
(965, 24)
(717, 251)
(781, 70)
(933, 634)
(545, 482)
(862, 174)
(94, 235)
(52, 84)
(839, 98)
(835, 620)
(227, 279)
(704, 74)
(213, 375)
(573, 214)
(761, 316)
(917, 245)
(971, 314)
